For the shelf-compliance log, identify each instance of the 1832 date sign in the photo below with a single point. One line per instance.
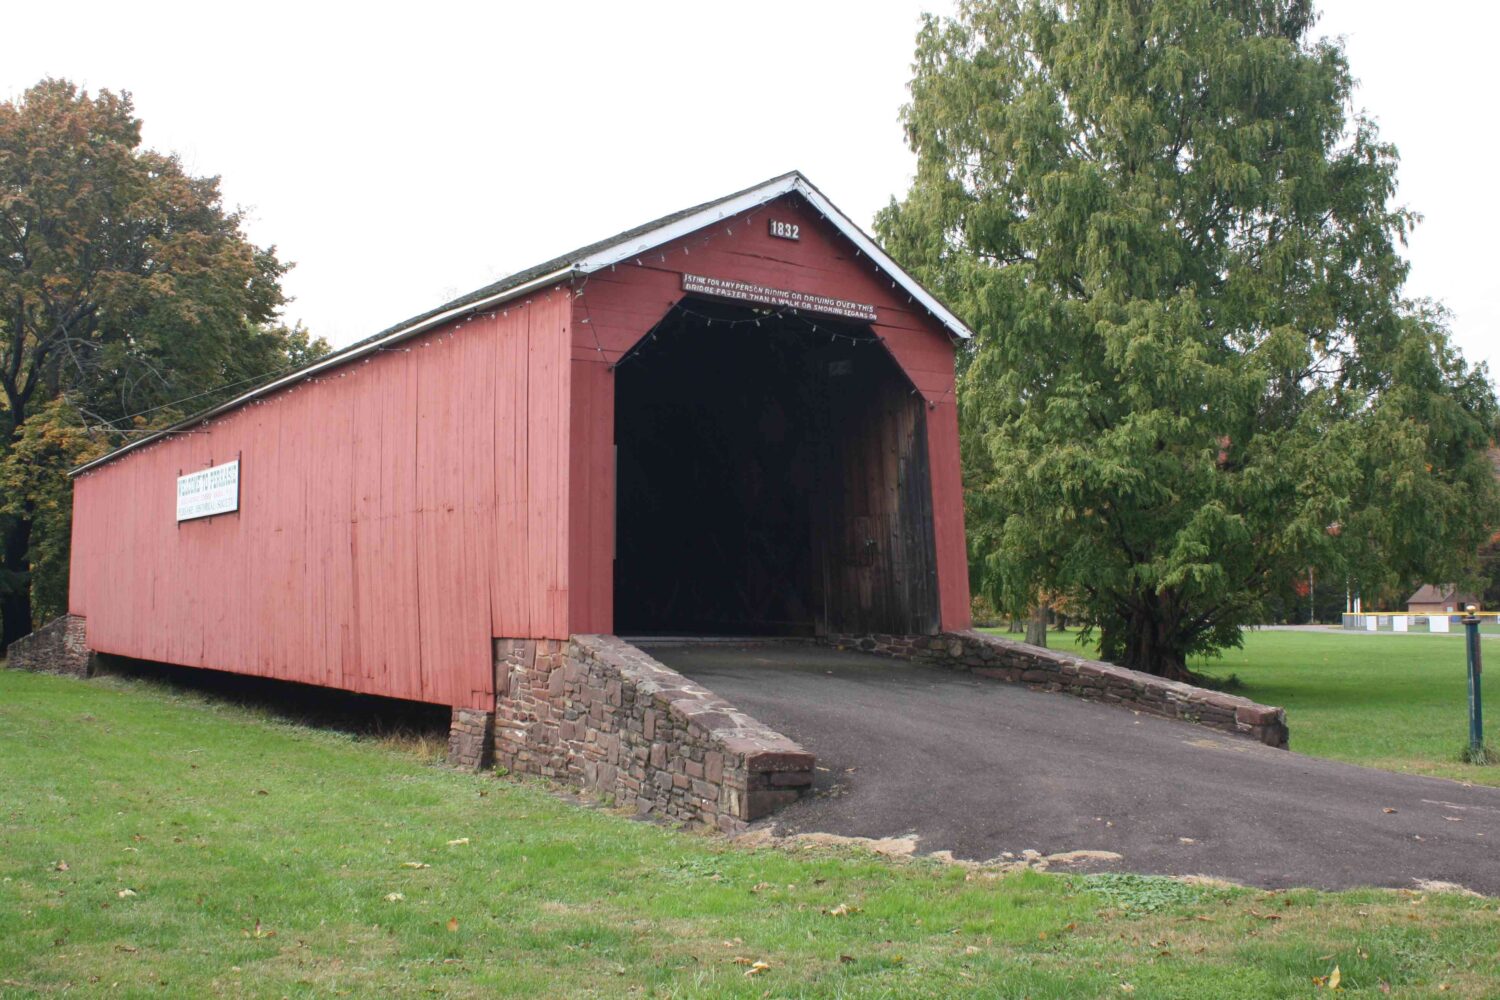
(785, 230)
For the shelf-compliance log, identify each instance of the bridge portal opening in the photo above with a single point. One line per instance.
(772, 479)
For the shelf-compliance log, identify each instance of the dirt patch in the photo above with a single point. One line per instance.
(905, 848)
(1209, 882)
(1434, 885)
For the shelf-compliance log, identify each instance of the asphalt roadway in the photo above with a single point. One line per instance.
(981, 768)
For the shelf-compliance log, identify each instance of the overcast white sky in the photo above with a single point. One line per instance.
(404, 155)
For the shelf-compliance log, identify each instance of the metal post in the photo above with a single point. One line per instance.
(1476, 706)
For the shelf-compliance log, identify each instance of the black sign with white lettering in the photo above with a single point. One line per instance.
(744, 291)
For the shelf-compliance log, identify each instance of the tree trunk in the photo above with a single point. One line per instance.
(15, 602)
(1036, 629)
(1150, 645)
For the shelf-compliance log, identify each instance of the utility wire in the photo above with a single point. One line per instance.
(196, 395)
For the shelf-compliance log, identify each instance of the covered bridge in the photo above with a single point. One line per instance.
(735, 420)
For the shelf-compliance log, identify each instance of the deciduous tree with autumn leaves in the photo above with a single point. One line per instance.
(129, 297)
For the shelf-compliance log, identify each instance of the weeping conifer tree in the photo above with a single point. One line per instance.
(1195, 374)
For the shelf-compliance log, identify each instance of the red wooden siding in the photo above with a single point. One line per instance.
(615, 308)
(394, 516)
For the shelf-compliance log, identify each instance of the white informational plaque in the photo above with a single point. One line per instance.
(211, 491)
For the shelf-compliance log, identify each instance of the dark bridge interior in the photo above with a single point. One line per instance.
(772, 480)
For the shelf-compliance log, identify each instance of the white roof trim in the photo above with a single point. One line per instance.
(755, 197)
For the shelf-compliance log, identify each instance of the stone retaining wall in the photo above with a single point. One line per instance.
(59, 647)
(1017, 662)
(598, 713)
(471, 736)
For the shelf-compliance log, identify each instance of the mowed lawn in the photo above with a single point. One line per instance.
(1398, 702)
(155, 843)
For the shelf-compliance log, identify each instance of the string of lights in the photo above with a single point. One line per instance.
(760, 316)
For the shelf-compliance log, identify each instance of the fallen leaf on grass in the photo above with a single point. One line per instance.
(452, 924)
(1330, 981)
(971, 950)
(846, 959)
(61, 866)
(259, 932)
(394, 897)
(757, 968)
(459, 842)
(415, 864)
(842, 910)
(125, 893)
(1265, 916)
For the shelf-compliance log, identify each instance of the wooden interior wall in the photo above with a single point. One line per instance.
(614, 308)
(393, 517)
(876, 528)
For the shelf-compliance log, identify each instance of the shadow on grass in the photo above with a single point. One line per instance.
(414, 726)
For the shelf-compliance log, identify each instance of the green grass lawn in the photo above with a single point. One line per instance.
(1398, 702)
(158, 844)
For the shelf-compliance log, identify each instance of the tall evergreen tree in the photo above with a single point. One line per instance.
(125, 285)
(1195, 375)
